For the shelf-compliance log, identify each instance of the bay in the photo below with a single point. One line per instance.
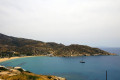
(70, 67)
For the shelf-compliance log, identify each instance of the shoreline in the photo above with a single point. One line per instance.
(6, 59)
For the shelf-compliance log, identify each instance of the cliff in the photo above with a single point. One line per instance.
(12, 46)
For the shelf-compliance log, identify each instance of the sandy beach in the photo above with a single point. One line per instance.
(5, 59)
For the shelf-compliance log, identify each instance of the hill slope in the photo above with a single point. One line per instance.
(17, 73)
(12, 46)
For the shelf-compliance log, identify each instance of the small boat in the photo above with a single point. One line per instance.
(82, 60)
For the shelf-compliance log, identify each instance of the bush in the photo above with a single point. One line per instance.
(3, 69)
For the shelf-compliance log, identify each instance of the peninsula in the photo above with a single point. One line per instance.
(13, 46)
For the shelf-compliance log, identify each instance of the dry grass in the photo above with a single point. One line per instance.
(4, 76)
(28, 76)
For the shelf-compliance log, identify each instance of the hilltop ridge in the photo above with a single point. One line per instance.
(13, 46)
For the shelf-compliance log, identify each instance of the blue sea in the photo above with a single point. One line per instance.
(71, 68)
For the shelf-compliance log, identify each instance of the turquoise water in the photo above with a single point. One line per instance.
(70, 67)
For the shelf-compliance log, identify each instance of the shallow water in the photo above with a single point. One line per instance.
(70, 67)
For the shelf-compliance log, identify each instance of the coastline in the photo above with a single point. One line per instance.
(6, 59)
(8, 73)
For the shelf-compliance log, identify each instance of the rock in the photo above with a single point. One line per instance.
(16, 74)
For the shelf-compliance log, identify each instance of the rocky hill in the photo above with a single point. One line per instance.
(12, 46)
(17, 73)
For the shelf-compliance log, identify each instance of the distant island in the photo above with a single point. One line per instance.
(12, 46)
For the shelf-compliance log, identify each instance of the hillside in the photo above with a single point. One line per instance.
(17, 73)
(12, 46)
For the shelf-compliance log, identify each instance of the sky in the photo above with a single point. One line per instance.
(94, 23)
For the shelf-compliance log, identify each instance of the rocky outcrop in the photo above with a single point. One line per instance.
(17, 73)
